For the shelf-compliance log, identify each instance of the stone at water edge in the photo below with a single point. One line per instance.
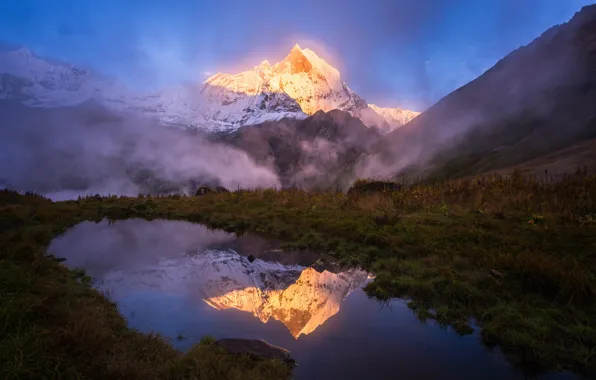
(256, 348)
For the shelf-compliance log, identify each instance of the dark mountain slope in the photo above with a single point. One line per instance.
(538, 99)
(315, 152)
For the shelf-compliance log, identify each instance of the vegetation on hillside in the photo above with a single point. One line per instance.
(514, 255)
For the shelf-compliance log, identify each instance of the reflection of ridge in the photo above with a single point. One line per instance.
(299, 297)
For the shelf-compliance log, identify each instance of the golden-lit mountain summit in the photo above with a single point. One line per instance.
(296, 61)
(308, 80)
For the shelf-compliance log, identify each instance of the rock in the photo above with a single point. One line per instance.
(322, 265)
(365, 187)
(500, 215)
(251, 258)
(329, 265)
(319, 266)
(257, 349)
(204, 190)
(496, 274)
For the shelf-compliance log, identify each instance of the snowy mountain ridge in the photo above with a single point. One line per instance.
(296, 87)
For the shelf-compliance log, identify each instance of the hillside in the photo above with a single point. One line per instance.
(579, 157)
(538, 99)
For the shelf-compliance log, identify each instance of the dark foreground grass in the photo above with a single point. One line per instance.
(515, 255)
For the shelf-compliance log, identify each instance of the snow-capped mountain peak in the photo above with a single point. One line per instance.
(299, 85)
(40, 82)
(396, 116)
(314, 84)
(265, 64)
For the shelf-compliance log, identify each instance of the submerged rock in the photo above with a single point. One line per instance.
(256, 348)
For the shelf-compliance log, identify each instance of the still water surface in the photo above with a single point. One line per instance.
(185, 281)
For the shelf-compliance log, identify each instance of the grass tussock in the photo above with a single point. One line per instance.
(516, 255)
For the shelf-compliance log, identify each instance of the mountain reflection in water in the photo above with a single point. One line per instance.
(302, 306)
(204, 265)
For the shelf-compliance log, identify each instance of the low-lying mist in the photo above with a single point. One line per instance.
(69, 151)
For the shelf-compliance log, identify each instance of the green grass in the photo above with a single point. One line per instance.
(434, 245)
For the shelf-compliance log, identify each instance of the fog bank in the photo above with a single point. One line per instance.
(68, 151)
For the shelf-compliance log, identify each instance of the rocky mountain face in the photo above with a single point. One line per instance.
(298, 86)
(88, 147)
(317, 152)
(538, 99)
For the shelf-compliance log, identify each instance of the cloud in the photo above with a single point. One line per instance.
(85, 149)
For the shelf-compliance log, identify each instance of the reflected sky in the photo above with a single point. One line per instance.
(185, 281)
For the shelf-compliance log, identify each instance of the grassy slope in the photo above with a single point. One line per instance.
(530, 155)
(557, 164)
(434, 245)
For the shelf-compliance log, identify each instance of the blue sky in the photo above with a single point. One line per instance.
(392, 52)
